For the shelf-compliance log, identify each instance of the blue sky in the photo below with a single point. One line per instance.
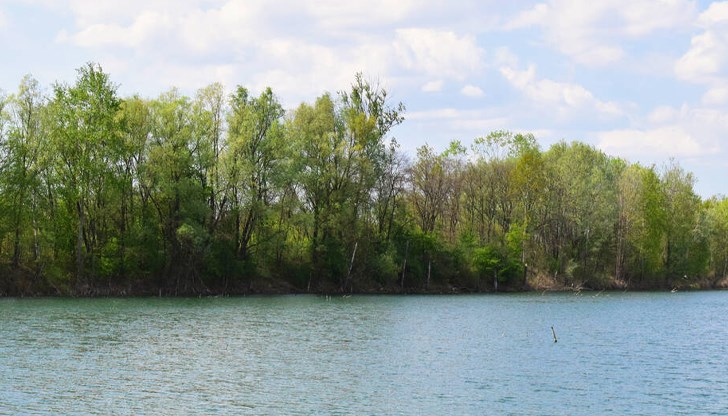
(646, 80)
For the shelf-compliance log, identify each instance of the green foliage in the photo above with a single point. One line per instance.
(717, 226)
(218, 193)
(497, 262)
(385, 266)
(685, 252)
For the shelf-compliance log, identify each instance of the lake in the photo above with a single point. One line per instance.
(617, 353)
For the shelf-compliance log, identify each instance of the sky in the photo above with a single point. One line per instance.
(645, 80)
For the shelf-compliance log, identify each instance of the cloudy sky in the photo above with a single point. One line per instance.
(646, 80)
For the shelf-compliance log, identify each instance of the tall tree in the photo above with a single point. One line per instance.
(686, 250)
(255, 160)
(431, 187)
(389, 189)
(22, 150)
(641, 225)
(314, 129)
(175, 183)
(138, 241)
(209, 113)
(86, 140)
(717, 217)
(343, 151)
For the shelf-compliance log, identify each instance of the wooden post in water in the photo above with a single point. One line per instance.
(554, 334)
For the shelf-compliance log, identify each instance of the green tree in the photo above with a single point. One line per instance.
(641, 225)
(577, 220)
(256, 158)
(140, 241)
(22, 164)
(717, 218)
(342, 152)
(431, 187)
(389, 190)
(174, 180)
(686, 252)
(86, 141)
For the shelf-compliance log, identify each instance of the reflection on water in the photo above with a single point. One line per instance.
(617, 353)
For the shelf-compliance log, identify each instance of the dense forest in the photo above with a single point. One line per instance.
(231, 193)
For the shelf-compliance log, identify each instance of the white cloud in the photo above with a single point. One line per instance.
(212, 26)
(593, 33)
(337, 14)
(683, 132)
(535, 16)
(706, 61)
(193, 78)
(3, 20)
(661, 142)
(663, 114)
(505, 57)
(145, 26)
(716, 13)
(432, 86)
(642, 17)
(440, 113)
(439, 126)
(471, 91)
(706, 58)
(302, 46)
(565, 98)
(438, 53)
(161, 25)
(457, 123)
(716, 95)
(90, 12)
(299, 70)
(234, 41)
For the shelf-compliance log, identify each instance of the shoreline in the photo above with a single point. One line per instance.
(126, 292)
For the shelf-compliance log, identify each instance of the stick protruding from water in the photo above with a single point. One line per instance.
(553, 332)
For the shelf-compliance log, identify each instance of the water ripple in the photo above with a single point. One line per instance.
(617, 354)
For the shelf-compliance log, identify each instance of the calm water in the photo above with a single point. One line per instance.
(622, 354)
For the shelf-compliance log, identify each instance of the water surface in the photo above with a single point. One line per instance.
(636, 354)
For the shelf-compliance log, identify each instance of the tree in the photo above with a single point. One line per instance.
(503, 144)
(138, 248)
(389, 189)
(173, 177)
(255, 161)
(641, 225)
(209, 113)
(342, 152)
(22, 164)
(85, 137)
(717, 219)
(686, 248)
(188, 195)
(431, 186)
(578, 217)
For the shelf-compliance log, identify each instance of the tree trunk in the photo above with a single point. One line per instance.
(16, 247)
(351, 266)
(247, 233)
(79, 242)
(404, 265)
(429, 270)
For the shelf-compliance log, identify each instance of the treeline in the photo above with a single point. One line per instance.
(231, 193)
